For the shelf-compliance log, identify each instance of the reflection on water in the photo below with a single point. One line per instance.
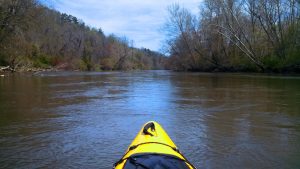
(87, 120)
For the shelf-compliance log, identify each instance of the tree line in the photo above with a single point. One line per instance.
(235, 35)
(35, 36)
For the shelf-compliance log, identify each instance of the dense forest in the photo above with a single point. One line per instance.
(34, 36)
(235, 35)
(226, 35)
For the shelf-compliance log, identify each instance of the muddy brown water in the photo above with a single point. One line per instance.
(87, 120)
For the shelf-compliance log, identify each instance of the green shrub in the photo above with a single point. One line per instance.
(97, 68)
(272, 63)
(3, 61)
(42, 61)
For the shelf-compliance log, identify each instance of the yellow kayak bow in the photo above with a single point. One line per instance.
(152, 148)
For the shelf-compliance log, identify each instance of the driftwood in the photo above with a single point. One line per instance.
(6, 68)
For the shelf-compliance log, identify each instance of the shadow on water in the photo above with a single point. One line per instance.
(87, 120)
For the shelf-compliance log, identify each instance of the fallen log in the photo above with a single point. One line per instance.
(6, 68)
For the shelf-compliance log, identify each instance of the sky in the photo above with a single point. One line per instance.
(139, 20)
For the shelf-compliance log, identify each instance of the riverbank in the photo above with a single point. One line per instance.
(6, 70)
(25, 69)
(287, 70)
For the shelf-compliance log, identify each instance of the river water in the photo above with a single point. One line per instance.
(87, 120)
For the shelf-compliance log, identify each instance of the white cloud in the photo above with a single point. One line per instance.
(139, 20)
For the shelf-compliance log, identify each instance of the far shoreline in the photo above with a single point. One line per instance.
(32, 70)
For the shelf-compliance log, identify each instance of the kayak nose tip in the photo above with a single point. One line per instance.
(152, 121)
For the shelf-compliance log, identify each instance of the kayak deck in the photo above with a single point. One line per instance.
(152, 148)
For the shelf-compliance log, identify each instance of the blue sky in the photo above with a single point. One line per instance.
(139, 20)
